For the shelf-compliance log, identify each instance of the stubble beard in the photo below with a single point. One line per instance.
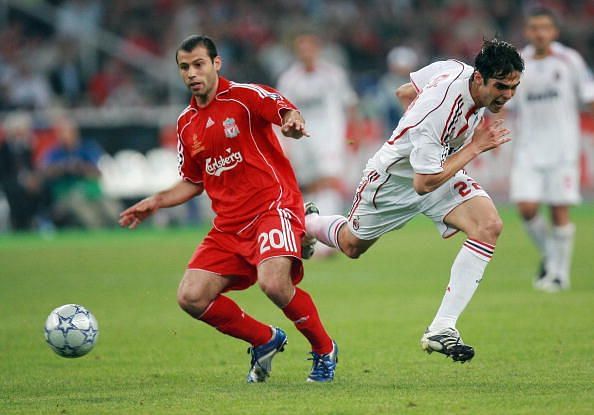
(202, 98)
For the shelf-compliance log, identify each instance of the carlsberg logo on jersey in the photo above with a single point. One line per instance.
(215, 166)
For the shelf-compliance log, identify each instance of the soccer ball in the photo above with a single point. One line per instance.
(71, 330)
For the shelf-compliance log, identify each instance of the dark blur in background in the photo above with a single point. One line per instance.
(107, 69)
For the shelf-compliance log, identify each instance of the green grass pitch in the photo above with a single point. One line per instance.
(534, 351)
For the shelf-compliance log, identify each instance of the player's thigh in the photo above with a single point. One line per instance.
(225, 255)
(473, 215)
(461, 204)
(276, 246)
(562, 185)
(382, 202)
(527, 184)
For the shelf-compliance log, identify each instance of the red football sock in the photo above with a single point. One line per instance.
(302, 311)
(226, 316)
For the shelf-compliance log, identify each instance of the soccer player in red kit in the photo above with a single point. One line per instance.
(227, 148)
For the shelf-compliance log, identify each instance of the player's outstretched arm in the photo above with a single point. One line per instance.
(178, 194)
(484, 139)
(293, 125)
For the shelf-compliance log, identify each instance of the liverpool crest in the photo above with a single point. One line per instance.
(231, 129)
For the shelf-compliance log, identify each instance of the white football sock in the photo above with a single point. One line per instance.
(329, 201)
(562, 245)
(467, 273)
(324, 228)
(538, 230)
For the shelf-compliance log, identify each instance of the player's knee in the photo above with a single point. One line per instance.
(191, 301)
(490, 228)
(277, 288)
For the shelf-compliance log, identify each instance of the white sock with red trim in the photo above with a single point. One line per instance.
(324, 228)
(331, 201)
(562, 247)
(467, 273)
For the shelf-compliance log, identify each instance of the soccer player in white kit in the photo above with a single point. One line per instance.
(419, 170)
(325, 98)
(545, 166)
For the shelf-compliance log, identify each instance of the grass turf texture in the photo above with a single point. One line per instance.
(534, 350)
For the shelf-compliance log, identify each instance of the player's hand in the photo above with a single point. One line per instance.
(488, 137)
(293, 125)
(135, 214)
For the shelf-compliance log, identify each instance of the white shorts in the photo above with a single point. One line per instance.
(557, 185)
(384, 202)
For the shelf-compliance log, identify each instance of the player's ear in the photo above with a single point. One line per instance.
(477, 78)
(218, 62)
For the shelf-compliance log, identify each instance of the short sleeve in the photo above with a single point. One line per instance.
(188, 169)
(421, 78)
(270, 104)
(426, 155)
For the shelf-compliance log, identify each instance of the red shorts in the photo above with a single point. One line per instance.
(274, 234)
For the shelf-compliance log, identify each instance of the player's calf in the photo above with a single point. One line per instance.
(352, 246)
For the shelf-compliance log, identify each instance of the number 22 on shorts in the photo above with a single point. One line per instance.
(464, 188)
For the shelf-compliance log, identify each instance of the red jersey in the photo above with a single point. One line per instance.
(230, 147)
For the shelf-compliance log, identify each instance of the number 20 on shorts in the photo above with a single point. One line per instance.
(272, 239)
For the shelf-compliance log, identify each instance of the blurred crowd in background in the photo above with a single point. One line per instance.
(120, 53)
(88, 65)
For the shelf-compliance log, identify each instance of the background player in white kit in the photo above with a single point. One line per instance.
(325, 98)
(545, 160)
(419, 170)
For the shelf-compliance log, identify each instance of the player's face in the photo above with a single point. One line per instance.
(496, 92)
(540, 32)
(199, 72)
(307, 49)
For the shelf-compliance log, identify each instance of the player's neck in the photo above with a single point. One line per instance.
(541, 53)
(309, 66)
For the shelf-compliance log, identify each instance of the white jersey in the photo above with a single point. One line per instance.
(436, 124)
(547, 104)
(322, 97)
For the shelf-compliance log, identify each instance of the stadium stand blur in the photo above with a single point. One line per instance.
(110, 65)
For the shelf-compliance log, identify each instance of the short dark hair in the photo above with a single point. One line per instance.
(193, 41)
(543, 11)
(497, 59)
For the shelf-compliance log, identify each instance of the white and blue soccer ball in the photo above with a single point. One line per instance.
(71, 330)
